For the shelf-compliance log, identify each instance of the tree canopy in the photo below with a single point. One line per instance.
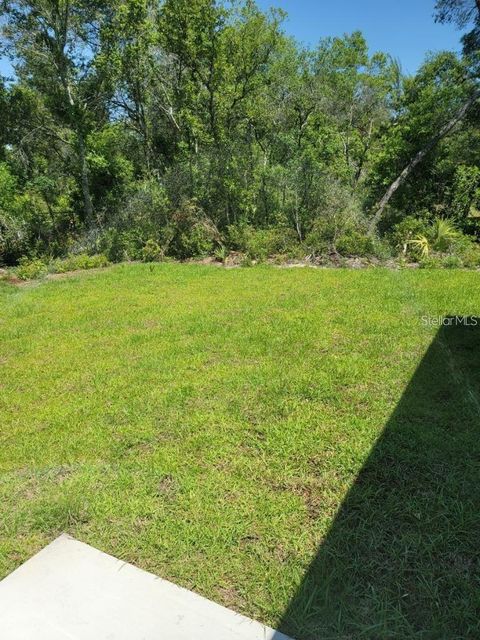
(199, 126)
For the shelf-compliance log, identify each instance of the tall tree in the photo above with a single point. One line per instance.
(443, 101)
(464, 14)
(54, 44)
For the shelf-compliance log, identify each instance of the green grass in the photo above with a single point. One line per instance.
(225, 428)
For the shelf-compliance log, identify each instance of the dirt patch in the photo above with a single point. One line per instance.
(231, 598)
(11, 278)
(167, 487)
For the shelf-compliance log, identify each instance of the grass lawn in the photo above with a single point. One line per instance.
(293, 443)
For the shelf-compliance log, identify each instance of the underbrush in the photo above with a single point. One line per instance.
(30, 269)
(428, 244)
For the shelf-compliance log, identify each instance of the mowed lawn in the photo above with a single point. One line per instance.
(226, 428)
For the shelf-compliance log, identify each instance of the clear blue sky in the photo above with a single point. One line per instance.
(403, 28)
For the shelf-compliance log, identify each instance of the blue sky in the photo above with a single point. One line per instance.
(403, 28)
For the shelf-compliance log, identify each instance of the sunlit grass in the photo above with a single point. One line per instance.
(202, 423)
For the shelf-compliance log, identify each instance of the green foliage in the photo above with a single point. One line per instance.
(152, 251)
(29, 269)
(465, 192)
(10, 220)
(430, 262)
(260, 244)
(122, 245)
(79, 261)
(180, 122)
(111, 171)
(452, 262)
(318, 241)
(354, 243)
(440, 236)
(462, 13)
(193, 234)
(405, 231)
(469, 255)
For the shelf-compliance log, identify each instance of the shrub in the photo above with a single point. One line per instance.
(338, 219)
(12, 230)
(76, 262)
(355, 243)
(221, 254)
(465, 192)
(196, 242)
(430, 262)
(452, 262)
(237, 236)
(438, 261)
(190, 234)
(467, 249)
(146, 207)
(405, 231)
(317, 242)
(29, 269)
(440, 236)
(122, 246)
(152, 252)
(337, 210)
(443, 234)
(471, 256)
(381, 249)
(260, 244)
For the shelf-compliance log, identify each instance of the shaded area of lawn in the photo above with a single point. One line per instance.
(402, 557)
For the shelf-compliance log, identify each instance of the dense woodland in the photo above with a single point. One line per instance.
(140, 129)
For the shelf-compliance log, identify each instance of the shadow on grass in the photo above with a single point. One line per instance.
(402, 557)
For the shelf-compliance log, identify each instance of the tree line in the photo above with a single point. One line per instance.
(146, 128)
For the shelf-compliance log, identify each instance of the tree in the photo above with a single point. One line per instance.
(436, 101)
(462, 13)
(54, 45)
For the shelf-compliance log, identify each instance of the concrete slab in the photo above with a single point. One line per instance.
(72, 591)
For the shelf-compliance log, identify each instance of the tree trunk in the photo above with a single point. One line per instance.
(418, 157)
(76, 120)
(87, 199)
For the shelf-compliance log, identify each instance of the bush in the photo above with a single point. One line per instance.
(452, 262)
(439, 261)
(471, 256)
(381, 249)
(29, 269)
(76, 262)
(443, 245)
(260, 244)
(430, 262)
(467, 250)
(337, 210)
(121, 246)
(190, 234)
(465, 192)
(196, 242)
(405, 231)
(317, 241)
(355, 243)
(338, 220)
(440, 237)
(146, 207)
(152, 252)
(12, 234)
